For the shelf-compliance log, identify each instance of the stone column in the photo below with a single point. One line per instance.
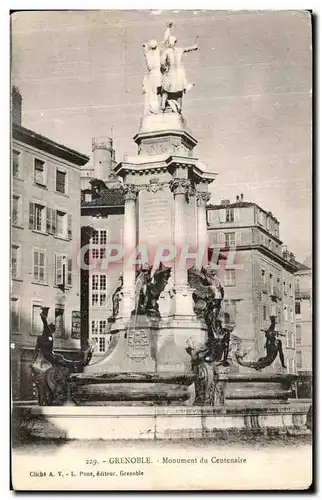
(181, 189)
(129, 242)
(202, 233)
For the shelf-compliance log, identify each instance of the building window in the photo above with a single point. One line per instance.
(15, 316)
(230, 277)
(260, 217)
(60, 181)
(95, 253)
(290, 364)
(99, 237)
(279, 316)
(263, 278)
(297, 286)
(15, 261)
(229, 215)
(59, 321)
(103, 237)
(99, 286)
(271, 284)
(63, 270)
(290, 287)
(94, 299)
(99, 242)
(37, 217)
(285, 313)
(298, 307)
(285, 287)
(273, 309)
(264, 313)
(230, 239)
(291, 315)
(39, 172)
(298, 335)
(290, 340)
(16, 163)
(61, 224)
(299, 359)
(95, 238)
(37, 325)
(98, 335)
(39, 266)
(16, 210)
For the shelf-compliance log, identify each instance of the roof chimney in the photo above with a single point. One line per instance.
(16, 105)
(237, 198)
(103, 159)
(241, 197)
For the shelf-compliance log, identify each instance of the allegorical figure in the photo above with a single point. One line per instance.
(143, 278)
(116, 300)
(174, 80)
(273, 348)
(50, 370)
(152, 82)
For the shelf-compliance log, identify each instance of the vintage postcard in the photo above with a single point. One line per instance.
(161, 250)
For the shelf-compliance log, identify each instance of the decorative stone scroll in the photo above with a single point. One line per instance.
(202, 198)
(154, 186)
(138, 343)
(130, 192)
(182, 186)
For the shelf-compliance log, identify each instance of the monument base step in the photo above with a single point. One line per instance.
(154, 423)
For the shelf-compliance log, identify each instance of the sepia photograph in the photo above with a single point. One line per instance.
(161, 250)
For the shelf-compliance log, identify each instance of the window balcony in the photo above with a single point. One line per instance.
(276, 293)
(303, 293)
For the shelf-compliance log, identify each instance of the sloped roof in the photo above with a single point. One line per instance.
(308, 261)
(108, 197)
(43, 143)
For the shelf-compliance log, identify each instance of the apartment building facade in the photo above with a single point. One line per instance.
(45, 239)
(303, 316)
(258, 275)
(102, 218)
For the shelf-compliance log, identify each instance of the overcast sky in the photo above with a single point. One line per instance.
(80, 73)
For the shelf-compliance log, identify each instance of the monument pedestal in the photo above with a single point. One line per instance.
(162, 184)
(157, 422)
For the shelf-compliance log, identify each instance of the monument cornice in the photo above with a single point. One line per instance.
(155, 134)
(165, 163)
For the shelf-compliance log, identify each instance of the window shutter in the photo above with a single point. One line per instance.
(59, 278)
(49, 220)
(236, 214)
(221, 238)
(222, 215)
(69, 226)
(54, 220)
(69, 272)
(238, 238)
(35, 266)
(31, 215)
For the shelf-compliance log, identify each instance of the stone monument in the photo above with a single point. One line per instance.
(166, 191)
(168, 363)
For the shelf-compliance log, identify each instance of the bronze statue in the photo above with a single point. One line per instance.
(208, 294)
(116, 299)
(143, 277)
(51, 370)
(149, 288)
(273, 348)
